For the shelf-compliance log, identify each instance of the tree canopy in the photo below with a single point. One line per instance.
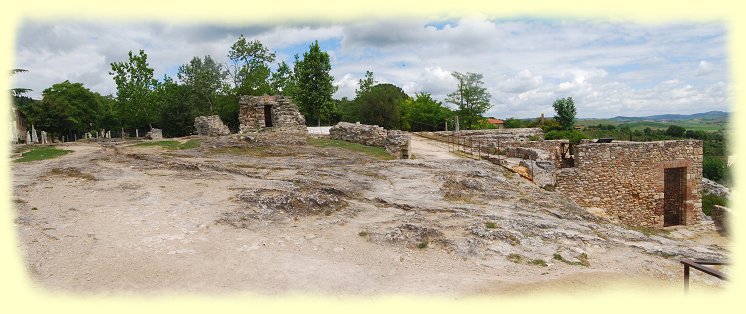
(565, 110)
(314, 84)
(423, 113)
(135, 85)
(381, 105)
(471, 97)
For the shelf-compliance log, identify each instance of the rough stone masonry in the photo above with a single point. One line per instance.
(210, 126)
(626, 179)
(258, 113)
(396, 142)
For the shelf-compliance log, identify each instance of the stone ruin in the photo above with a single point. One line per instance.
(649, 184)
(210, 126)
(396, 142)
(276, 113)
(154, 134)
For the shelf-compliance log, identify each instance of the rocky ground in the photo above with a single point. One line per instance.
(229, 216)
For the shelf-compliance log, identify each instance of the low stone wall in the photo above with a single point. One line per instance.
(371, 135)
(397, 143)
(210, 126)
(626, 179)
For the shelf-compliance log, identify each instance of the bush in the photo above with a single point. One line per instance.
(573, 135)
(675, 131)
(710, 200)
(713, 168)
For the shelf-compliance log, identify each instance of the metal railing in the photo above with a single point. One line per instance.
(699, 264)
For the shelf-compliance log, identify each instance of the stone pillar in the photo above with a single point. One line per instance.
(28, 137)
(137, 132)
(34, 137)
(75, 136)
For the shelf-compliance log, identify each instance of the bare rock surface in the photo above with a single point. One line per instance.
(233, 215)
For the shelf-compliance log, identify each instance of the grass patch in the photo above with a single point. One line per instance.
(538, 262)
(490, 225)
(373, 151)
(515, 258)
(422, 245)
(171, 144)
(72, 172)
(42, 153)
(710, 200)
(582, 259)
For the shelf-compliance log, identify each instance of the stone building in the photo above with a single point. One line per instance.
(259, 113)
(650, 184)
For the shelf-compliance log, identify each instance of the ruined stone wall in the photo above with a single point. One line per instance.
(371, 135)
(396, 142)
(491, 136)
(284, 114)
(626, 179)
(210, 126)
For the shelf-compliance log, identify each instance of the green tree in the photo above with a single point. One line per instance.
(203, 80)
(135, 85)
(282, 80)
(18, 91)
(423, 113)
(349, 110)
(365, 84)
(68, 108)
(177, 118)
(675, 131)
(381, 105)
(471, 97)
(250, 67)
(565, 109)
(314, 84)
(512, 123)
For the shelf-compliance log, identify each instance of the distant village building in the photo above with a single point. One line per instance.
(496, 122)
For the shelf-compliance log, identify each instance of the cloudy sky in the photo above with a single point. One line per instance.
(609, 68)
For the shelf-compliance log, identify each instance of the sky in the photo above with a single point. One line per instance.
(609, 68)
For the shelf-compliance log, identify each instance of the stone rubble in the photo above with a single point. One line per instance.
(210, 126)
(154, 134)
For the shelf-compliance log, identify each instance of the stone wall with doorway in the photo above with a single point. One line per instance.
(626, 179)
(257, 113)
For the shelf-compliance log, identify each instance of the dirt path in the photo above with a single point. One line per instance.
(424, 148)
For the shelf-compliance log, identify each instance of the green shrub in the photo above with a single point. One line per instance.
(573, 135)
(490, 225)
(713, 168)
(710, 200)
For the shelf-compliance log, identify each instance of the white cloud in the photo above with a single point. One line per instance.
(608, 68)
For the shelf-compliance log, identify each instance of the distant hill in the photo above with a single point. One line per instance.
(704, 115)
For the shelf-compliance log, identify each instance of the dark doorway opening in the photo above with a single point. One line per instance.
(268, 116)
(674, 185)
